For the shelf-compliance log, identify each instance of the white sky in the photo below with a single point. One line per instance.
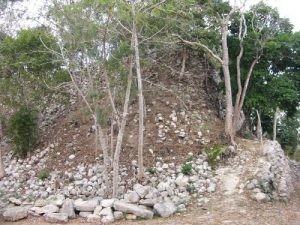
(287, 8)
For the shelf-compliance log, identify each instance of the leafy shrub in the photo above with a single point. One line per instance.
(44, 174)
(23, 130)
(186, 169)
(190, 188)
(297, 155)
(150, 170)
(213, 154)
(189, 158)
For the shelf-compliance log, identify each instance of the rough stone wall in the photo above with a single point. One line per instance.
(273, 178)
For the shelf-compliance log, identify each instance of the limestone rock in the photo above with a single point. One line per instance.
(165, 209)
(134, 209)
(182, 181)
(132, 197)
(50, 209)
(85, 206)
(68, 208)
(107, 202)
(260, 197)
(141, 190)
(118, 215)
(15, 213)
(15, 201)
(56, 217)
(92, 218)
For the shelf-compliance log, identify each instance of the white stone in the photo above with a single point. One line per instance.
(85, 206)
(132, 197)
(182, 181)
(141, 190)
(56, 217)
(68, 208)
(165, 209)
(15, 213)
(134, 209)
(50, 209)
(107, 202)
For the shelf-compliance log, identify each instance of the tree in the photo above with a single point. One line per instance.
(94, 50)
(140, 92)
(258, 25)
(26, 67)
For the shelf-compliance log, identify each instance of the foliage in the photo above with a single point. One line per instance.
(190, 188)
(44, 174)
(297, 154)
(23, 130)
(151, 170)
(213, 154)
(288, 135)
(189, 158)
(186, 168)
(27, 67)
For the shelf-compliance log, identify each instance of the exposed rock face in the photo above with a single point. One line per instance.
(15, 213)
(134, 209)
(165, 209)
(274, 176)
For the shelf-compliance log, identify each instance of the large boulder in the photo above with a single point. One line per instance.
(56, 217)
(165, 209)
(141, 190)
(68, 208)
(85, 206)
(50, 209)
(15, 213)
(108, 202)
(134, 209)
(132, 197)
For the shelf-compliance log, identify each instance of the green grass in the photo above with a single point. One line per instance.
(44, 174)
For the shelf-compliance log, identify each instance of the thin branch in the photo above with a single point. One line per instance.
(153, 35)
(202, 46)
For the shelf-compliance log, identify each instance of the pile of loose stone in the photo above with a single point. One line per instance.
(164, 191)
(273, 177)
(179, 124)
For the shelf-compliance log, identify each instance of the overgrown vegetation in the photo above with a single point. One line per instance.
(151, 170)
(23, 130)
(44, 174)
(213, 155)
(186, 168)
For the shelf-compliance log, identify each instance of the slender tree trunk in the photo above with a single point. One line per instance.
(121, 132)
(183, 64)
(275, 120)
(106, 158)
(228, 93)
(141, 97)
(2, 171)
(112, 139)
(258, 127)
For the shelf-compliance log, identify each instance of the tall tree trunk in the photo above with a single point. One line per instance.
(258, 127)
(184, 56)
(228, 93)
(121, 132)
(275, 120)
(106, 158)
(141, 97)
(2, 171)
